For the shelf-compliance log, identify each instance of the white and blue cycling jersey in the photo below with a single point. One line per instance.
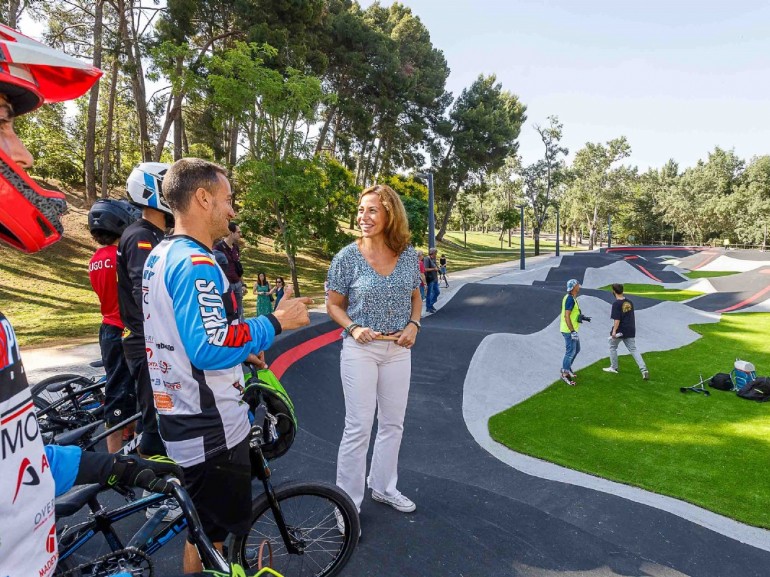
(195, 345)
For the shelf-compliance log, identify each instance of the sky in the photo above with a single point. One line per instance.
(675, 77)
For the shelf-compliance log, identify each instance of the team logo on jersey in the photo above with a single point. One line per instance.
(220, 332)
(9, 352)
(143, 244)
(27, 476)
(201, 259)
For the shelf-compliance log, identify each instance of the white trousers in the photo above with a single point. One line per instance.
(375, 379)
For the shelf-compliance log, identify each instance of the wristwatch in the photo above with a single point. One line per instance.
(415, 323)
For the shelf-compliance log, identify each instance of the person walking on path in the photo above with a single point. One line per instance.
(442, 270)
(264, 292)
(623, 330)
(374, 294)
(431, 277)
(421, 262)
(569, 324)
(234, 271)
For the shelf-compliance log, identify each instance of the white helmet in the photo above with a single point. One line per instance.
(144, 186)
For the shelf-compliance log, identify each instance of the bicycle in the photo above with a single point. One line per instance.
(296, 525)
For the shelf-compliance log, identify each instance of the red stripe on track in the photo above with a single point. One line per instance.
(705, 261)
(743, 303)
(286, 359)
(660, 248)
(648, 273)
(631, 257)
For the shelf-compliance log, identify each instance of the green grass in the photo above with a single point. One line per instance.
(710, 451)
(655, 291)
(709, 273)
(490, 241)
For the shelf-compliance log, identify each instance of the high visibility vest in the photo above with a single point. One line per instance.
(573, 315)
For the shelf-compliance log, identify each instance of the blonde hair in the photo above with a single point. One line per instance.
(397, 235)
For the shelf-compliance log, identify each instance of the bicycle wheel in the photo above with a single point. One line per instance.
(43, 397)
(310, 512)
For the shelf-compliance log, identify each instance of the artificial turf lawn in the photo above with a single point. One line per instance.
(711, 451)
(693, 274)
(655, 291)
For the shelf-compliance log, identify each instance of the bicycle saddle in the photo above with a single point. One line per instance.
(75, 499)
(73, 436)
(58, 386)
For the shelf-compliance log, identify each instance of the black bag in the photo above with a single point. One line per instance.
(238, 268)
(721, 381)
(757, 390)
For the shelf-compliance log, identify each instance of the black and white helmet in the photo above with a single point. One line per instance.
(111, 216)
(144, 186)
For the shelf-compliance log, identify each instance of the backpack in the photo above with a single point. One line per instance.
(722, 382)
(743, 373)
(757, 390)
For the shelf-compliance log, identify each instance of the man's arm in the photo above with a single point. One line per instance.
(210, 340)
(615, 326)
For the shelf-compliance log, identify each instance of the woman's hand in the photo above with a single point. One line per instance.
(363, 335)
(407, 336)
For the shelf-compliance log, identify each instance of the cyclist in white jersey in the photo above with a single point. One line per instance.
(195, 346)
(32, 74)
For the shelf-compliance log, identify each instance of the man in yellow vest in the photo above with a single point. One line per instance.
(569, 324)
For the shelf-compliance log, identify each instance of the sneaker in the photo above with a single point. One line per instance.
(572, 375)
(646, 375)
(567, 379)
(610, 370)
(398, 501)
(341, 523)
(173, 512)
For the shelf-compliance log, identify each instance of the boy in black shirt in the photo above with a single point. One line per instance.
(623, 330)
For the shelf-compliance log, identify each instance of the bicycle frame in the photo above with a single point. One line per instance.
(103, 520)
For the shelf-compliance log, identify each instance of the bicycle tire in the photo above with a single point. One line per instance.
(308, 509)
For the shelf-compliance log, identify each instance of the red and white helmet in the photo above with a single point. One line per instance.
(32, 74)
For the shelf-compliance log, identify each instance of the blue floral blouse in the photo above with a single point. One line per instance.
(382, 303)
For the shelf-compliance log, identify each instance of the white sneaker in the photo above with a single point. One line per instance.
(341, 522)
(646, 375)
(398, 501)
(610, 370)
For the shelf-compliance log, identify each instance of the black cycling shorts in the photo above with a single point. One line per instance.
(220, 488)
(119, 388)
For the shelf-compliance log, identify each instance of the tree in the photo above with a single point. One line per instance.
(414, 195)
(483, 126)
(542, 178)
(599, 182)
(508, 218)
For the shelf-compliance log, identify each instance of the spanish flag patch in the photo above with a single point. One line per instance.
(201, 259)
(144, 244)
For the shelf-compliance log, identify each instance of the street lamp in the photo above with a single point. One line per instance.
(431, 216)
(556, 206)
(521, 258)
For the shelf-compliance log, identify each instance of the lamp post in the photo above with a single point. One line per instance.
(556, 206)
(521, 222)
(609, 231)
(431, 216)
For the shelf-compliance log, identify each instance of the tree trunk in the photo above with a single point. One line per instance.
(106, 164)
(536, 235)
(134, 61)
(178, 133)
(330, 112)
(93, 107)
(13, 13)
(233, 152)
(445, 220)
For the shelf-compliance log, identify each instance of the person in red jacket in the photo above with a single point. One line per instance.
(107, 220)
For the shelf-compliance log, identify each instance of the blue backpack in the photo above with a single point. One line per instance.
(743, 374)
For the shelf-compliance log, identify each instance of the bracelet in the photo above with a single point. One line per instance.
(351, 327)
(415, 323)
